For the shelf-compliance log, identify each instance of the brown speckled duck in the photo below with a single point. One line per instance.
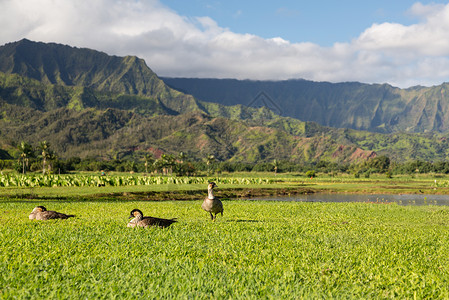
(140, 221)
(211, 203)
(41, 213)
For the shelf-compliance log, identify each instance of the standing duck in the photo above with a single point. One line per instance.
(141, 221)
(41, 213)
(211, 203)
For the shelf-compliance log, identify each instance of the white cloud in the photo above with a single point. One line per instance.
(424, 11)
(174, 45)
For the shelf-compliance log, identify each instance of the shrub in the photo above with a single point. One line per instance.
(311, 174)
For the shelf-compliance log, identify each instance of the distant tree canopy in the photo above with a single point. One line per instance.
(379, 163)
(4, 154)
(41, 157)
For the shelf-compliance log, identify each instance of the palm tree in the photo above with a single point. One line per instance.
(157, 165)
(168, 161)
(51, 156)
(46, 154)
(210, 159)
(148, 160)
(26, 151)
(275, 166)
(182, 156)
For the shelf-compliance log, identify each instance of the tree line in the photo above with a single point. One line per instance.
(43, 159)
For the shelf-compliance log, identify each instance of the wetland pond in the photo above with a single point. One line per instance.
(401, 199)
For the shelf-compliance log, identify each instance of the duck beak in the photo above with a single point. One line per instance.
(131, 216)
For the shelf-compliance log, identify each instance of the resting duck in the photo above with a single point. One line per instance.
(211, 203)
(141, 221)
(41, 213)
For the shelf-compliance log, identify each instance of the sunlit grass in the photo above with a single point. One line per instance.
(257, 250)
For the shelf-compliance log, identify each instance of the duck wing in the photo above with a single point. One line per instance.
(207, 204)
(217, 206)
(49, 215)
(151, 221)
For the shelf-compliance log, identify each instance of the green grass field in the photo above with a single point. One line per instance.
(258, 250)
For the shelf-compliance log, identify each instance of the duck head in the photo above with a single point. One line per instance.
(212, 185)
(39, 209)
(135, 213)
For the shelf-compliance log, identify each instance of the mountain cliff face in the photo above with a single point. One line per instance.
(49, 76)
(63, 65)
(377, 108)
(89, 104)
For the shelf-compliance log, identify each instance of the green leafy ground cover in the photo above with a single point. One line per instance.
(259, 249)
(235, 185)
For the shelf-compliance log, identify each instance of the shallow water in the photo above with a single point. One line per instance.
(402, 199)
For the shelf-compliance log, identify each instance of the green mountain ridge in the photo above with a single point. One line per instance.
(114, 133)
(23, 91)
(79, 121)
(372, 107)
(88, 104)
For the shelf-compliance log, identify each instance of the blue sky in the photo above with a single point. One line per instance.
(402, 43)
(319, 21)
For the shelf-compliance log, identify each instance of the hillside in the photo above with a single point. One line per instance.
(69, 66)
(372, 107)
(80, 121)
(114, 133)
(89, 104)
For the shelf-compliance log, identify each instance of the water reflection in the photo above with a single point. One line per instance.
(403, 199)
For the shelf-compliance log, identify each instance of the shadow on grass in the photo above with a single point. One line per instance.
(243, 221)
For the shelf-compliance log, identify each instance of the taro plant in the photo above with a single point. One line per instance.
(52, 180)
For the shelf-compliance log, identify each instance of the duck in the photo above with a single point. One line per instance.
(140, 221)
(211, 203)
(41, 213)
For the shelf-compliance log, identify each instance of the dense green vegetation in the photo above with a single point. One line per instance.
(46, 77)
(103, 180)
(285, 250)
(372, 107)
(47, 162)
(88, 104)
(124, 186)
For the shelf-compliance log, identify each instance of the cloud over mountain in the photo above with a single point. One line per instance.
(174, 45)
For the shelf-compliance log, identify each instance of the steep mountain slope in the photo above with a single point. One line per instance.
(113, 133)
(27, 92)
(69, 66)
(65, 65)
(89, 104)
(378, 108)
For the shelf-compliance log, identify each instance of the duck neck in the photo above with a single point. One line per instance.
(211, 194)
(136, 219)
